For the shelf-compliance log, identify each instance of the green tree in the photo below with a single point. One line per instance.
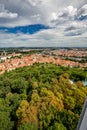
(19, 86)
(28, 126)
(5, 121)
(69, 102)
(57, 126)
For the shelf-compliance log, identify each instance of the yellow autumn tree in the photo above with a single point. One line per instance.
(54, 101)
(27, 113)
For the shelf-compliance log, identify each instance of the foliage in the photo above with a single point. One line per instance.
(42, 97)
(28, 126)
(57, 126)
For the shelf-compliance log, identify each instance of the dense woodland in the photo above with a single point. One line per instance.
(42, 97)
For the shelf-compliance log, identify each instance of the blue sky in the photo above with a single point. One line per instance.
(43, 23)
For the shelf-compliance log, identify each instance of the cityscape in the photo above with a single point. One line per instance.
(43, 65)
(71, 57)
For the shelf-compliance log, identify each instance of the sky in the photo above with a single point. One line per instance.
(43, 23)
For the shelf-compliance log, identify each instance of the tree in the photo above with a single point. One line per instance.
(57, 126)
(48, 96)
(13, 100)
(28, 126)
(69, 103)
(5, 121)
(41, 97)
(19, 86)
(68, 118)
(27, 113)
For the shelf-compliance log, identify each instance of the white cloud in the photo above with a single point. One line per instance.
(34, 2)
(6, 14)
(82, 11)
(68, 11)
(51, 38)
(54, 16)
(63, 16)
(39, 11)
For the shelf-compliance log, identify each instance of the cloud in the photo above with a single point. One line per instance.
(51, 12)
(6, 14)
(69, 11)
(82, 13)
(34, 2)
(64, 15)
(47, 38)
(76, 26)
(67, 22)
(73, 21)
